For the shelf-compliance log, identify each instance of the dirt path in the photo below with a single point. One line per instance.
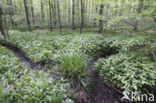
(22, 56)
(103, 93)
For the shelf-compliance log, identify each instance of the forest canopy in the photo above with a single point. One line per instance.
(102, 14)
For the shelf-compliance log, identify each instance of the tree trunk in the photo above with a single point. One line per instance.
(139, 10)
(11, 11)
(94, 24)
(1, 23)
(15, 8)
(135, 28)
(58, 8)
(154, 19)
(73, 14)
(32, 11)
(107, 16)
(86, 12)
(78, 14)
(82, 16)
(154, 56)
(42, 11)
(69, 12)
(51, 24)
(54, 12)
(27, 14)
(101, 21)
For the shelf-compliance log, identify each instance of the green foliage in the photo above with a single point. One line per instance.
(73, 67)
(127, 70)
(50, 46)
(130, 72)
(133, 68)
(2, 94)
(21, 84)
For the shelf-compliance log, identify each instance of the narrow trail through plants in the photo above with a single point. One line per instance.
(101, 94)
(22, 56)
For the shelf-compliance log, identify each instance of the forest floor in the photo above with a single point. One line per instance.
(101, 93)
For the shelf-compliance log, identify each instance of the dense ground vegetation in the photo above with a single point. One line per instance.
(77, 51)
(21, 84)
(126, 62)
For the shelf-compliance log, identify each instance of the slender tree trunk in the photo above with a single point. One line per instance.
(86, 13)
(51, 24)
(154, 56)
(53, 17)
(135, 28)
(78, 14)
(82, 16)
(94, 24)
(89, 10)
(139, 10)
(27, 14)
(73, 14)
(54, 12)
(107, 15)
(154, 19)
(1, 23)
(32, 11)
(15, 8)
(42, 11)
(58, 8)
(11, 11)
(69, 12)
(101, 21)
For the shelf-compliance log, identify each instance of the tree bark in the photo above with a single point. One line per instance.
(73, 14)
(1, 23)
(78, 14)
(94, 24)
(42, 11)
(69, 12)
(86, 12)
(82, 16)
(101, 21)
(154, 19)
(135, 28)
(54, 12)
(15, 8)
(32, 11)
(139, 10)
(27, 14)
(11, 11)
(51, 24)
(154, 56)
(58, 8)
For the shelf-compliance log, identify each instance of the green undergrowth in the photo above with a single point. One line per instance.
(20, 84)
(131, 71)
(74, 67)
(127, 62)
(43, 46)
